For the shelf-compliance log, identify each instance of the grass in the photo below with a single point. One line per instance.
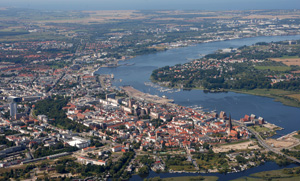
(117, 153)
(33, 37)
(260, 129)
(274, 68)
(282, 174)
(212, 163)
(279, 95)
(249, 179)
(186, 168)
(234, 143)
(295, 96)
(264, 130)
(190, 178)
(272, 173)
(287, 57)
(297, 136)
(264, 179)
(297, 147)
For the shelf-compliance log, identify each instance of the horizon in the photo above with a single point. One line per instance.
(152, 5)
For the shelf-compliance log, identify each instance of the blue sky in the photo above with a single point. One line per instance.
(152, 4)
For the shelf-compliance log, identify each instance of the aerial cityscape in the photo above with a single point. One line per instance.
(149, 93)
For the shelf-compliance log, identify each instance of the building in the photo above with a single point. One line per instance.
(223, 115)
(14, 99)
(86, 161)
(116, 149)
(261, 120)
(79, 142)
(13, 109)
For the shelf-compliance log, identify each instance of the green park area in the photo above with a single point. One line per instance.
(288, 174)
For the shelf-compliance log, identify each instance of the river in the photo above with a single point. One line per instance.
(235, 103)
(224, 177)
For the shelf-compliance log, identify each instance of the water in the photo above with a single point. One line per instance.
(224, 177)
(235, 103)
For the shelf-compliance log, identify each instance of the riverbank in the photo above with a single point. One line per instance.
(205, 178)
(288, 98)
(282, 174)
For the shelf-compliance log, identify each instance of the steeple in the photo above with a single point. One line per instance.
(230, 123)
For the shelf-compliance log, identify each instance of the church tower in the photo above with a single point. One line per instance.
(229, 125)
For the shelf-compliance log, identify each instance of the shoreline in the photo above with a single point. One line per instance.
(282, 98)
(194, 44)
(277, 98)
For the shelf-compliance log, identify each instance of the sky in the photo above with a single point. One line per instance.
(151, 4)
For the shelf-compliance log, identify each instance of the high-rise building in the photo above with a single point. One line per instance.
(13, 109)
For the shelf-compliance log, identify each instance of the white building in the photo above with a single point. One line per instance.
(79, 142)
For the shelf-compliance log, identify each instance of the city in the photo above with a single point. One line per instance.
(62, 118)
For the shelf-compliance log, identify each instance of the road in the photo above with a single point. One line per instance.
(265, 145)
(190, 158)
(270, 148)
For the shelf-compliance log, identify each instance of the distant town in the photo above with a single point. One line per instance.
(60, 119)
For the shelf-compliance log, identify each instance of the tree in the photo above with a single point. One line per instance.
(144, 170)
(60, 168)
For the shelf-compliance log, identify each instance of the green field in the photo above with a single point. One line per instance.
(187, 168)
(283, 174)
(274, 68)
(297, 136)
(260, 129)
(279, 95)
(192, 178)
(235, 142)
(287, 57)
(297, 147)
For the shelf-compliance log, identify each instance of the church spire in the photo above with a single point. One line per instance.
(230, 123)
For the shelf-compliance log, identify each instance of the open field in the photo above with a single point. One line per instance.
(295, 96)
(260, 129)
(282, 96)
(297, 136)
(287, 141)
(187, 168)
(189, 178)
(103, 16)
(238, 146)
(100, 17)
(288, 60)
(279, 144)
(272, 126)
(289, 174)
